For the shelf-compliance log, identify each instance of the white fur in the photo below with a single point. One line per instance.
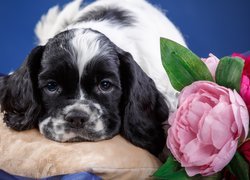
(58, 134)
(53, 22)
(86, 46)
(99, 126)
(141, 40)
(82, 95)
(77, 106)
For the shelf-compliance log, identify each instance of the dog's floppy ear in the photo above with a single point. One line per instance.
(142, 107)
(19, 95)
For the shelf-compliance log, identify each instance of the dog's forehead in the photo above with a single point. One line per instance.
(85, 46)
(73, 41)
(78, 46)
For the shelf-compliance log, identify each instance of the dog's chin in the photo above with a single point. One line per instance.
(60, 131)
(87, 138)
(75, 135)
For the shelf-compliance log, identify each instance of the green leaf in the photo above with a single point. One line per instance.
(239, 167)
(182, 65)
(170, 166)
(229, 72)
(171, 170)
(180, 175)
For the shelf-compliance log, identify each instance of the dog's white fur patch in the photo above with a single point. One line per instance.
(85, 45)
(99, 126)
(57, 134)
(77, 106)
(82, 95)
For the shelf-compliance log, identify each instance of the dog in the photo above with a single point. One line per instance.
(95, 73)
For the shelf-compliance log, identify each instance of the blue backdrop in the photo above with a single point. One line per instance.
(221, 27)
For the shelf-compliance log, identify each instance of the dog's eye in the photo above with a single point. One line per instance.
(52, 86)
(105, 85)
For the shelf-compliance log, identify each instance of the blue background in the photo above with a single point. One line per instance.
(218, 26)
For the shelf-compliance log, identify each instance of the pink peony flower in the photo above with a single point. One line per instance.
(245, 90)
(245, 85)
(212, 62)
(206, 127)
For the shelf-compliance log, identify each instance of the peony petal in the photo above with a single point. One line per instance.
(220, 134)
(243, 114)
(202, 170)
(209, 99)
(238, 121)
(223, 112)
(219, 122)
(173, 145)
(199, 109)
(185, 136)
(188, 151)
(203, 86)
(212, 63)
(193, 117)
(224, 156)
(238, 99)
(192, 171)
(207, 171)
(245, 121)
(204, 134)
(234, 128)
(197, 154)
(203, 156)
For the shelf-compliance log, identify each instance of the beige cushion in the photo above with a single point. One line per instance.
(30, 154)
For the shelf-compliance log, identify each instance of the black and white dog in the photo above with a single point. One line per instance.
(96, 73)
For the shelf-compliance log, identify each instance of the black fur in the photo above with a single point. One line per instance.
(142, 107)
(19, 99)
(116, 16)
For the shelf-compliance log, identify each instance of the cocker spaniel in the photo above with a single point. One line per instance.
(96, 73)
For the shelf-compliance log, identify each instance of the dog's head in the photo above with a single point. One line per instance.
(82, 87)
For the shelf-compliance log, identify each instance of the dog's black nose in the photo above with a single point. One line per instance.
(77, 118)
